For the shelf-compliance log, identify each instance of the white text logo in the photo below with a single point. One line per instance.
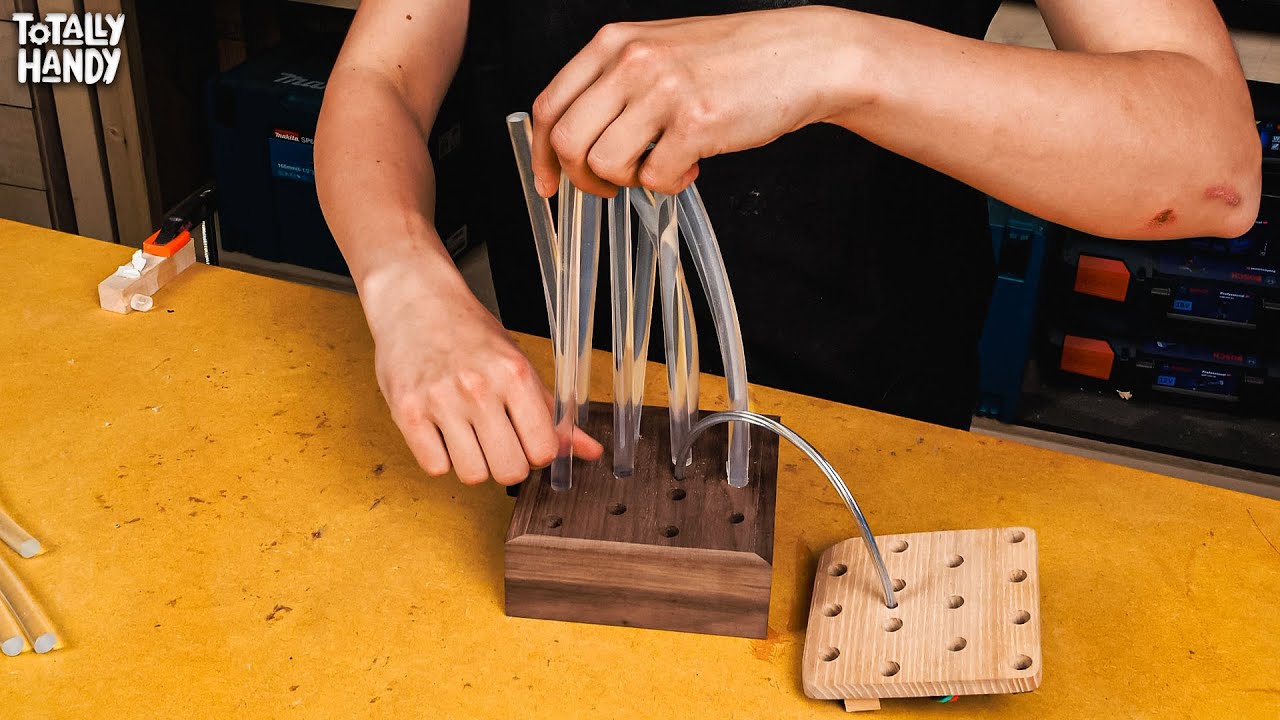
(66, 48)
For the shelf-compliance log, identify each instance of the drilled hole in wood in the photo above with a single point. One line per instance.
(554, 521)
(1021, 617)
(829, 654)
(617, 509)
(670, 531)
(890, 668)
(838, 569)
(677, 494)
(1022, 662)
(898, 546)
(955, 601)
(1015, 536)
(892, 625)
(957, 644)
(832, 609)
(737, 518)
(898, 584)
(1017, 576)
(955, 561)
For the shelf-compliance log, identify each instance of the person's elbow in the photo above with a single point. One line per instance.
(1237, 209)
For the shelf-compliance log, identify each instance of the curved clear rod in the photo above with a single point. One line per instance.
(566, 335)
(678, 326)
(701, 239)
(589, 208)
(544, 231)
(837, 482)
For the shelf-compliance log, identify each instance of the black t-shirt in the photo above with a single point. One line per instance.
(859, 275)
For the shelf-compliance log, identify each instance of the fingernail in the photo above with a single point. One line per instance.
(537, 185)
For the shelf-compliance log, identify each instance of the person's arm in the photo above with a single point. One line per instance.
(1139, 127)
(461, 392)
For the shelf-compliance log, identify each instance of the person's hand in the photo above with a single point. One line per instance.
(696, 87)
(461, 392)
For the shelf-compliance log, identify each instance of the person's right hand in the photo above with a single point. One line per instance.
(463, 395)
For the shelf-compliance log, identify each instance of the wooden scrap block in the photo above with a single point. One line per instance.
(648, 551)
(115, 292)
(967, 621)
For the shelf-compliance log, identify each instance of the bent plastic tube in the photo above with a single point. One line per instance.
(589, 238)
(15, 537)
(646, 277)
(33, 620)
(12, 641)
(704, 248)
(890, 600)
(678, 326)
(566, 336)
(544, 233)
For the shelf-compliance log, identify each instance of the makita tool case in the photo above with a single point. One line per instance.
(263, 116)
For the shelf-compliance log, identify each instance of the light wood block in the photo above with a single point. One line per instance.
(967, 621)
(648, 551)
(115, 292)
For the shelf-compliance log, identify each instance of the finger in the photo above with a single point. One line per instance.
(581, 444)
(532, 421)
(671, 165)
(577, 131)
(585, 446)
(572, 80)
(502, 451)
(427, 446)
(616, 156)
(464, 451)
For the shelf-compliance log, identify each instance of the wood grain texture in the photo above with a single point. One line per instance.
(648, 551)
(116, 291)
(24, 205)
(967, 621)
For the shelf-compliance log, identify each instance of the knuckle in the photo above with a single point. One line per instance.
(637, 54)
(473, 383)
(604, 167)
(514, 368)
(612, 35)
(562, 140)
(542, 110)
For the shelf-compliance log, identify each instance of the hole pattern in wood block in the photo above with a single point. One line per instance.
(967, 622)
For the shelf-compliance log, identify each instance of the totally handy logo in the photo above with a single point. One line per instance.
(64, 48)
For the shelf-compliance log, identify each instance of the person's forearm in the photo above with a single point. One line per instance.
(377, 185)
(1032, 127)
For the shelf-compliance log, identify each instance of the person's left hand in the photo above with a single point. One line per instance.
(696, 87)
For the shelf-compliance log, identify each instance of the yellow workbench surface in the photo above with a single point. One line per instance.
(233, 528)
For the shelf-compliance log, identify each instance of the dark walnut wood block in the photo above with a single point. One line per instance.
(648, 551)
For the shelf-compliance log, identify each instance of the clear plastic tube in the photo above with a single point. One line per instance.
(589, 207)
(14, 536)
(678, 325)
(890, 600)
(622, 286)
(544, 232)
(704, 248)
(12, 641)
(569, 273)
(33, 620)
(646, 278)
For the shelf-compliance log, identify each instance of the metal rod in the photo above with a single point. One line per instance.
(837, 482)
